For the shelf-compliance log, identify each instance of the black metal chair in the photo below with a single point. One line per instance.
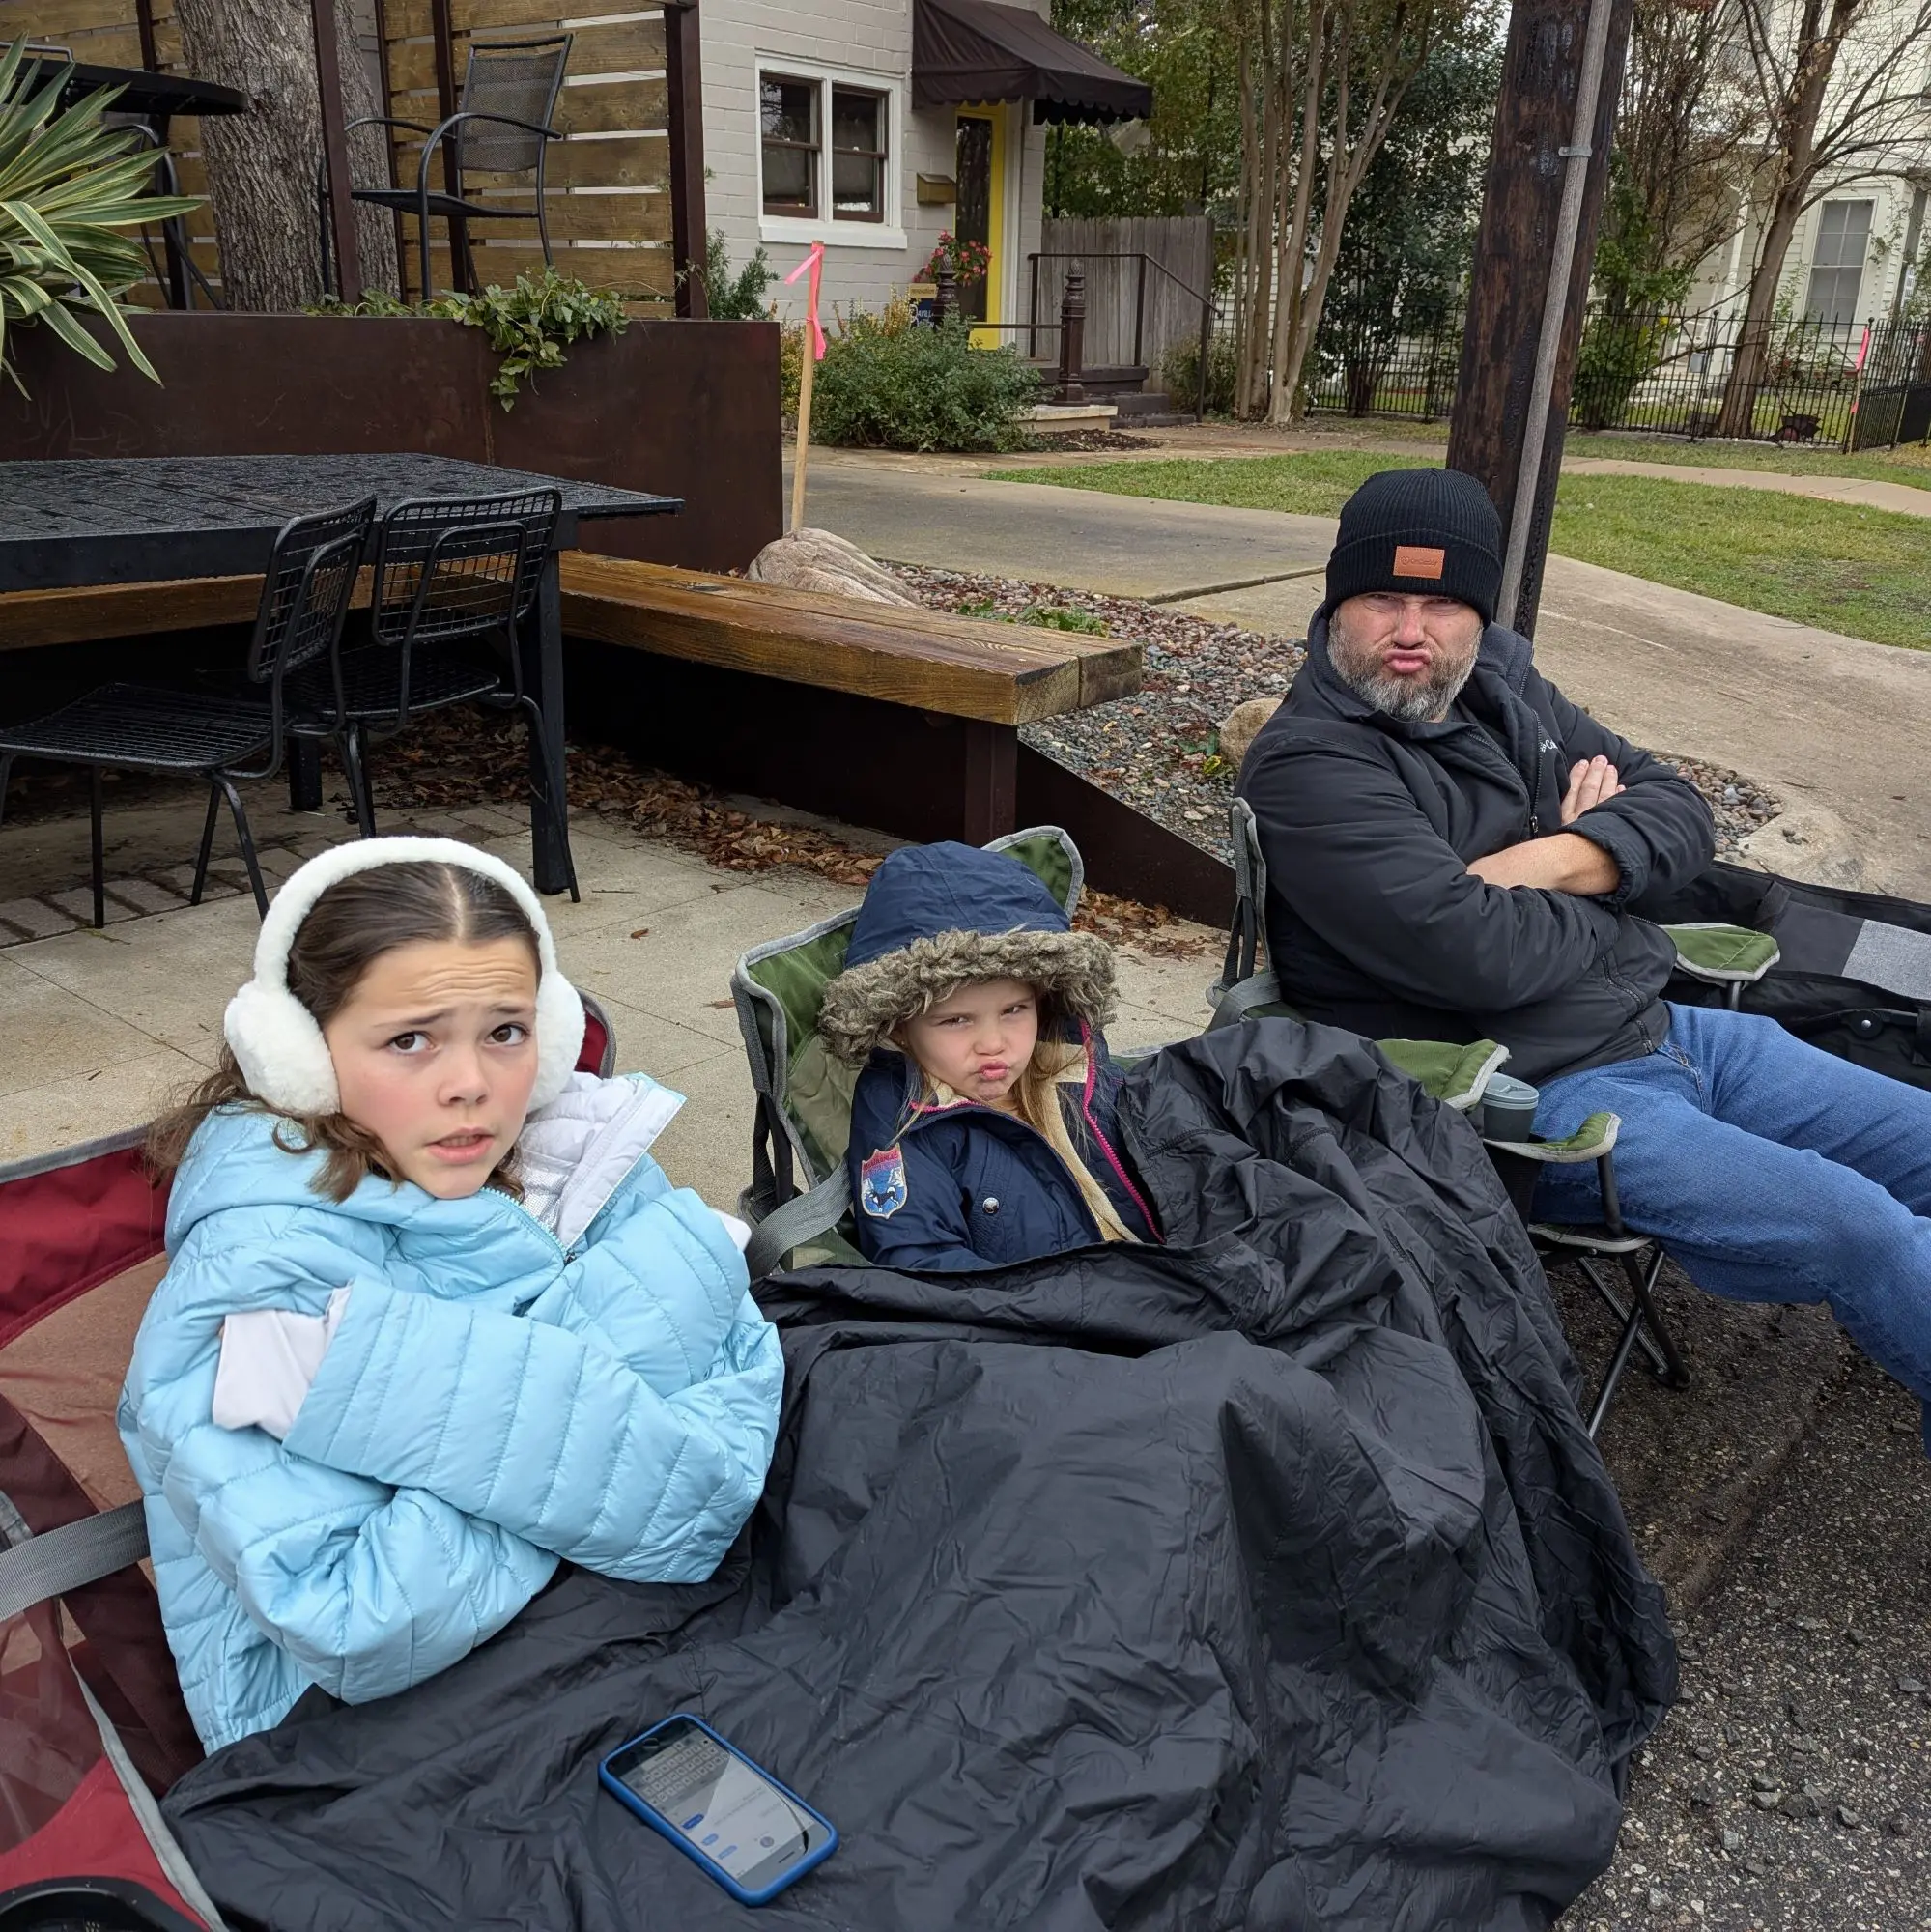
(173, 231)
(501, 127)
(305, 598)
(454, 576)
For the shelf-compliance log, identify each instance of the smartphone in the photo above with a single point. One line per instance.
(735, 1821)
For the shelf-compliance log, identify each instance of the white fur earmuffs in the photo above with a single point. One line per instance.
(276, 1042)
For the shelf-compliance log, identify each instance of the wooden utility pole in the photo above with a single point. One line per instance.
(1520, 210)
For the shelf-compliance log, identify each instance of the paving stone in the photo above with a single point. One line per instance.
(146, 896)
(277, 862)
(177, 878)
(35, 919)
(78, 900)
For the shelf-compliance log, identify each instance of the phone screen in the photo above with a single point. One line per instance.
(722, 1804)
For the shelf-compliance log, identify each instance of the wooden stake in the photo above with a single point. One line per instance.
(807, 369)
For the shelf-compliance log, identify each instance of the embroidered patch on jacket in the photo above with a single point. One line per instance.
(1418, 560)
(881, 1184)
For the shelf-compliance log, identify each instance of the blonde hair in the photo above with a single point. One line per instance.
(1036, 1096)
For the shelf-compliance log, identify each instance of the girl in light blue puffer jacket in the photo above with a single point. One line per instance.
(433, 1318)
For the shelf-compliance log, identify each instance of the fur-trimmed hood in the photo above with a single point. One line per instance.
(938, 917)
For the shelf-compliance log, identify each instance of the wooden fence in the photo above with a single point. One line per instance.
(608, 179)
(609, 182)
(1168, 315)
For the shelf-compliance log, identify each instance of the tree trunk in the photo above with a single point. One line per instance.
(1738, 415)
(1798, 160)
(262, 165)
(1293, 247)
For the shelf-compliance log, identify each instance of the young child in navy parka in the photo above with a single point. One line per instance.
(983, 1123)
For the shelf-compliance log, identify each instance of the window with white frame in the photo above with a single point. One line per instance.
(825, 149)
(1838, 262)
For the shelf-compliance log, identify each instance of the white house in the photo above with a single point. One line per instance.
(1857, 246)
(874, 125)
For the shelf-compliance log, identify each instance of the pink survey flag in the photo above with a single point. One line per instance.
(814, 262)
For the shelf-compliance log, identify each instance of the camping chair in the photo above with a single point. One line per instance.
(800, 1196)
(501, 127)
(92, 1723)
(800, 1193)
(1721, 958)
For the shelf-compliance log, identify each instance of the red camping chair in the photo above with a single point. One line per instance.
(92, 1723)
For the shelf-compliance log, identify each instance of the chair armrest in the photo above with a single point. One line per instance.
(1723, 955)
(1591, 1141)
(456, 119)
(386, 120)
(1458, 1076)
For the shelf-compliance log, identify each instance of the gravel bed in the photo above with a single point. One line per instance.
(1159, 749)
(1090, 440)
(1790, 1788)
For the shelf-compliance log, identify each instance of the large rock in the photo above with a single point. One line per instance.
(1242, 726)
(810, 559)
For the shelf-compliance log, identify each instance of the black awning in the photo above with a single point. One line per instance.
(965, 50)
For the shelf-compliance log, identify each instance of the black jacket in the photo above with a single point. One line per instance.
(1368, 826)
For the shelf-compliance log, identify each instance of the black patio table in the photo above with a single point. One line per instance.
(138, 519)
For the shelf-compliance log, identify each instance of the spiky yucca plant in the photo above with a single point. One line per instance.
(68, 186)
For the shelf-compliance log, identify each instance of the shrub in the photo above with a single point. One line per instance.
(919, 389)
(739, 297)
(1180, 375)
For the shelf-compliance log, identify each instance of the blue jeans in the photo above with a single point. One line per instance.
(1770, 1170)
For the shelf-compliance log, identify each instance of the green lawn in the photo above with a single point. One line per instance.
(1866, 573)
(1910, 465)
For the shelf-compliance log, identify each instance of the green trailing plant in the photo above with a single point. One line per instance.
(529, 324)
(920, 389)
(1047, 616)
(68, 186)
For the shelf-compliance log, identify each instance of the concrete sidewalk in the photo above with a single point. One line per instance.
(1835, 725)
(99, 1030)
(1863, 493)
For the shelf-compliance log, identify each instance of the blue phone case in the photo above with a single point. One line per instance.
(665, 1828)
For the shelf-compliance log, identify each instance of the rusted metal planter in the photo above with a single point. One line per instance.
(687, 408)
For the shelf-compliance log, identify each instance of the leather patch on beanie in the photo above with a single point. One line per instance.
(1418, 560)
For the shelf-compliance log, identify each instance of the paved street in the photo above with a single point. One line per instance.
(1835, 725)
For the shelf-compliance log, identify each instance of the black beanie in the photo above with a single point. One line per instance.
(1427, 532)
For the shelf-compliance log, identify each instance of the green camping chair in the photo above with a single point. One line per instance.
(1725, 959)
(799, 1201)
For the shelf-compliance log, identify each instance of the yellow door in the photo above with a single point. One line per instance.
(978, 214)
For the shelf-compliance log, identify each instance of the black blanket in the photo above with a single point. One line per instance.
(1266, 1579)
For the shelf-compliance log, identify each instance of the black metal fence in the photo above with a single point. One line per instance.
(1849, 385)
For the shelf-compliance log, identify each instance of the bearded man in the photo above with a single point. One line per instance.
(1457, 852)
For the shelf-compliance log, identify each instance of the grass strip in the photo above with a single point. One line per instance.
(1864, 573)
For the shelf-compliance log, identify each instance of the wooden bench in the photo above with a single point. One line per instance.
(991, 676)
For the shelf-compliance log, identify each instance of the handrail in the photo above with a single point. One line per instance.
(1207, 303)
(1115, 255)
